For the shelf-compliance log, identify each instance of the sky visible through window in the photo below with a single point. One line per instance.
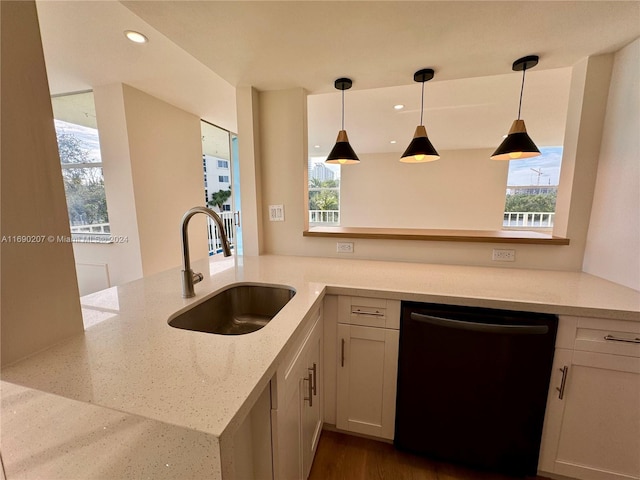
(86, 135)
(525, 172)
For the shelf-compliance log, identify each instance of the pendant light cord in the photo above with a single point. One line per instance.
(422, 104)
(342, 109)
(521, 90)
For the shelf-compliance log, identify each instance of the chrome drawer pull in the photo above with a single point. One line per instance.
(370, 314)
(310, 388)
(314, 372)
(563, 382)
(618, 339)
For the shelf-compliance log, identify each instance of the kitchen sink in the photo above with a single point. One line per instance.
(237, 310)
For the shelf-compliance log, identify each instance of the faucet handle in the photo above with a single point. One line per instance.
(197, 277)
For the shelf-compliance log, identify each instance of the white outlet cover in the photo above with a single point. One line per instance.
(276, 213)
(344, 247)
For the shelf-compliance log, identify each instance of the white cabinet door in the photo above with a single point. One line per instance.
(297, 416)
(366, 380)
(312, 408)
(598, 437)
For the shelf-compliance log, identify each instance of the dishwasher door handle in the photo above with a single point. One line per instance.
(481, 327)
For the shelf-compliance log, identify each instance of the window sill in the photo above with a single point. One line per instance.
(481, 236)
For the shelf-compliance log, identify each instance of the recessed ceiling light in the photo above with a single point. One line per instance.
(398, 106)
(392, 141)
(316, 146)
(135, 37)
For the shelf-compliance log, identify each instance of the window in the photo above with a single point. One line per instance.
(223, 164)
(532, 188)
(223, 178)
(324, 193)
(226, 207)
(79, 148)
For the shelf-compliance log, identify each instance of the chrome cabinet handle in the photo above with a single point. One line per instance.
(611, 338)
(563, 382)
(370, 314)
(313, 371)
(309, 379)
(236, 218)
(342, 354)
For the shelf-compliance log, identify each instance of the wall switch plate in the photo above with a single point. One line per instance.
(504, 255)
(276, 213)
(344, 247)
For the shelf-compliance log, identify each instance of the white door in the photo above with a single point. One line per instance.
(366, 380)
(599, 435)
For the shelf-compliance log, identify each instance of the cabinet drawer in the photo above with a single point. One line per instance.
(369, 312)
(608, 336)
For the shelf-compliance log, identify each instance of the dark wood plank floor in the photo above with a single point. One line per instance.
(345, 457)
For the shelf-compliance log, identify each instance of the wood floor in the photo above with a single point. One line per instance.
(345, 457)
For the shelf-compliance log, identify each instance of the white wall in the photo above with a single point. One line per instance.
(40, 303)
(152, 163)
(247, 101)
(613, 243)
(464, 190)
(283, 169)
(166, 166)
(283, 152)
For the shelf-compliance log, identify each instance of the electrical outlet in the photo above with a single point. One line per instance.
(276, 213)
(344, 247)
(504, 255)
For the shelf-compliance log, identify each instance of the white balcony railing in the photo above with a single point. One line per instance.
(324, 216)
(528, 219)
(215, 242)
(510, 219)
(93, 229)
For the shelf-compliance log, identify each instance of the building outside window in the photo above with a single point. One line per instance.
(223, 164)
(81, 163)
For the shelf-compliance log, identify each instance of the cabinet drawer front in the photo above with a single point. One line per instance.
(602, 336)
(369, 312)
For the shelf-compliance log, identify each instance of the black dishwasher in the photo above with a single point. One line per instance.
(472, 385)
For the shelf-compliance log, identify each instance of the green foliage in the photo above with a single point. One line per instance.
(521, 202)
(321, 199)
(83, 187)
(218, 198)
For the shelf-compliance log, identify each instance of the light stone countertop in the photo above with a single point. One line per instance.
(130, 361)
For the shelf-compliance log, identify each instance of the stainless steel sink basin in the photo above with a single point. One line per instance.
(239, 309)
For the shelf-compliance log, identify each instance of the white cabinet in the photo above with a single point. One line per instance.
(297, 406)
(367, 365)
(592, 424)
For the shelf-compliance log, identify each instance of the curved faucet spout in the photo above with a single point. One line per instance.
(188, 277)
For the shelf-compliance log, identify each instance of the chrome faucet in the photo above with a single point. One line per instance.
(189, 279)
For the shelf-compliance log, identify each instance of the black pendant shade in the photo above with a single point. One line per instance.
(420, 149)
(342, 153)
(518, 144)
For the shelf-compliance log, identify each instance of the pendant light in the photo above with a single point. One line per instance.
(518, 144)
(420, 149)
(342, 153)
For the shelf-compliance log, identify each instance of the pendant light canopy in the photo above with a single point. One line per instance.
(342, 153)
(518, 144)
(420, 149)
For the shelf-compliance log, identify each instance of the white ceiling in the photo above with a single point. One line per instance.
(274, 45)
